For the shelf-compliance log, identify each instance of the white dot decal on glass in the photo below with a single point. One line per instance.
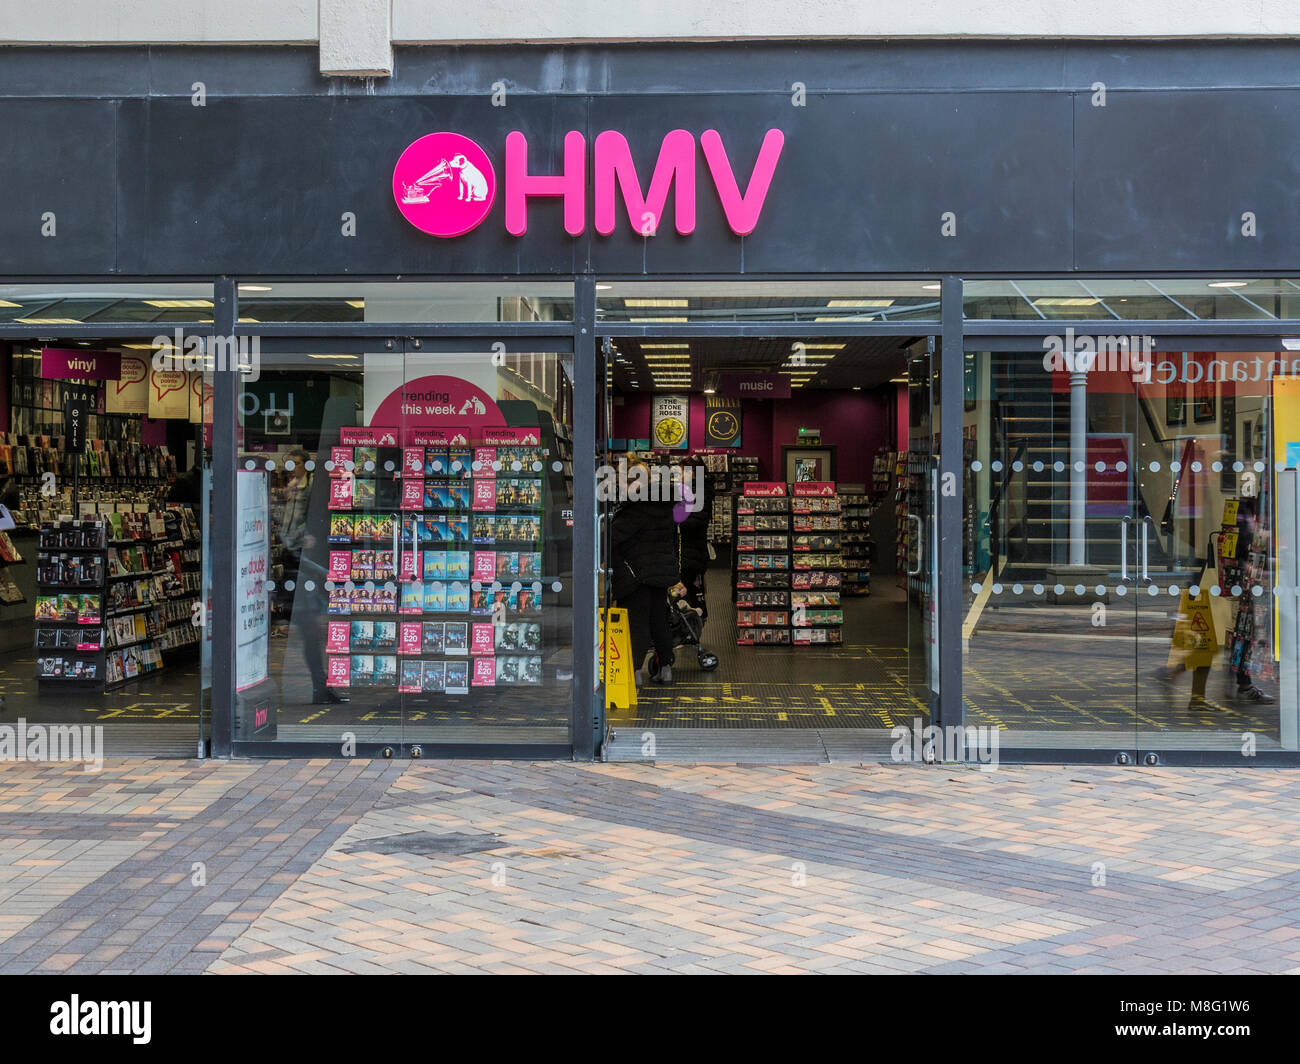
(1059, 589)
(389, 586)
(289, 464)
(329, 465)
(269, 585)
(975, 466)
(996, 466)
(1175, 466)
(389, 467)
(1100, 467)
(1016, 589)
(1038, 589)
(437, 465)
(496, 467)
(288, 585)
(516, 466)
(1173, 591)
(1259, 467)
(309, 585)
(1153, 590)
(496, 585)
(1196, 467)
(475, 585)
(556, 467)
(370, 586)
(537, 587)
(1214, 589)
(516, 586)
(250, 465)
(1154, 467)
(1078, 467)
(1101, 589)
(1038, 467)
(1079, 589)
(370, 466)
(1017, 465)
(476, 466)
(557, 587)
(1237, 467)
(997, 589)
(1257, 591)
(1235, 590)
(349, 586)
(1059, 466)
(1216, 467)
(270, 465)
(1121, 590)
(329, 585)
(309, 465)
(537, 467)
(976, 588)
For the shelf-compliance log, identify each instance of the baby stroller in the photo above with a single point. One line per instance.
(687, 624)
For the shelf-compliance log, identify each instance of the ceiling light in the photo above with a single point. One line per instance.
(931, 287)
(603, 287)
(6, 303)
(659, 319)
(710, 391)
(898, 380)
(824, 347)
(48, 321)
(859, 302)
(857, 387)
(254, 287)
(656, 303)
(1228, 284)
(846, 317)
(665, 347)
(329, 356)
(172, 304)
(1065, 301)
(253, 320)
(358, 303)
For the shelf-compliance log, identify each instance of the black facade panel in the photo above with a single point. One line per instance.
(59, 159)
(1164, 178)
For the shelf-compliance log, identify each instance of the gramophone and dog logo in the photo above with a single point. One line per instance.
(444, 184)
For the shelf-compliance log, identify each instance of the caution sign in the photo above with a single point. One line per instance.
(1195, 638)
(616, 667)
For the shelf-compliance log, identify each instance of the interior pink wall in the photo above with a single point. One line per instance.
(855, 423)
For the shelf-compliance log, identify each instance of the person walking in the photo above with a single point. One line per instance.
(643, 556)
(693, 533)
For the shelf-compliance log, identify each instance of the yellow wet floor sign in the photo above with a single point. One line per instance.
(1195, 637)
(616, 667)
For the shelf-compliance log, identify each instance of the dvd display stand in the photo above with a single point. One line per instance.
(435, 565)
(816, 616)
(761, 565)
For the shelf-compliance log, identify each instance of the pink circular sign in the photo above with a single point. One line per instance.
(444, 184)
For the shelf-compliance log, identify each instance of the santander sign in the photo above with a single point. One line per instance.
(445, 184)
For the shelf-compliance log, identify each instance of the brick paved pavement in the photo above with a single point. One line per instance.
(331, 866)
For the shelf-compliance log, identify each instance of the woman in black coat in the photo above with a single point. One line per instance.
(643, 556)
(694, 533)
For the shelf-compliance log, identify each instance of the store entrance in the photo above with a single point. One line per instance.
(801, 552)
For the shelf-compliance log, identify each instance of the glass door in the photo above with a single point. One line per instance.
(1056, 526)
(919, 528)
(1207, 673)
(418, 548)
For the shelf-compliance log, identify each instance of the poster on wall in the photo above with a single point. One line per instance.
(252, 601)
(721, 422)
(669, 421)
(169, 393)
(129, 394)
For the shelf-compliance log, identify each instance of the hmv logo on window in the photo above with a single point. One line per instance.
(445, 184)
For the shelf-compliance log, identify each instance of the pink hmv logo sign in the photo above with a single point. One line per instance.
(445, 184)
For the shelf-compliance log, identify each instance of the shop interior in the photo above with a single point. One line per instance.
(101, 542)
(811, 591)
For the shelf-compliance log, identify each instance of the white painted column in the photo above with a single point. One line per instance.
(1078, 467)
